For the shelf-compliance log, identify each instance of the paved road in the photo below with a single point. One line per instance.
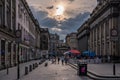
(54, 72)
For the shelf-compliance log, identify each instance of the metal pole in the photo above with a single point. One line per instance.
(111, 11)
(114, 69)
(7, 70)
(18, 67)
(114, 61)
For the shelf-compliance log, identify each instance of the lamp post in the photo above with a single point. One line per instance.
(18, 40)
(114, 39)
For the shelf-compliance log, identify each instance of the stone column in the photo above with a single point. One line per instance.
(6, 53)
(110, 44)
(119, 32)
(93, 39)
(104, 38)
(0, 53)
(90, 41)
(12, 54)
(100, 38)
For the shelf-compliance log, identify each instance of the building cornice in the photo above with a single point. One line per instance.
(101, 8)
(29, 11)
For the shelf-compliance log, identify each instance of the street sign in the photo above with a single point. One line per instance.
(114, 35)
(18, 33)
(18, 36)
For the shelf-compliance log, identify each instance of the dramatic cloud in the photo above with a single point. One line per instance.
(50, 7)
(71, 0)
(76, 12)
(65, 27)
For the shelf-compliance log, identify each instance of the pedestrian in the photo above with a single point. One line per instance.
(108, 59)
(58, 59)
(62, 60)
(52, 60)
(66, 60)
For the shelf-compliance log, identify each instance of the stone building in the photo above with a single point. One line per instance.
(25, 22)
(103, 19)
(62, 47)
(7, 28)
(16, 15)
(37, 41)
(53, 42)
(83, 37)
(71, 40)
(44, 41)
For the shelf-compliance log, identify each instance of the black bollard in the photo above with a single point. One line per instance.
(30, 68)
(7, 70)
(26, 70)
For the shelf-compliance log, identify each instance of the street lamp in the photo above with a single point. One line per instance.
(18, 40)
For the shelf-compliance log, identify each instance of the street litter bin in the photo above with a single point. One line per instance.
(82, 70)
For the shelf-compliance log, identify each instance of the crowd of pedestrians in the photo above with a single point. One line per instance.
(95, 60)
(56, 60)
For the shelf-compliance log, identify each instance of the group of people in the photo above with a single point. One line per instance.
(62, 59)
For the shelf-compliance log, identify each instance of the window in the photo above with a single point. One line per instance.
(72, 40)
(0, 14)
(8, 16)
(9, 47)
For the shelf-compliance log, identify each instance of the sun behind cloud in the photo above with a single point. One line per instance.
(60, 10)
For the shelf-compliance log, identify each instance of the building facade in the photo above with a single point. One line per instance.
(7, 28)
(37, 41)
(62, 47)
(104, 18)
(27, 24)
(54, 38)
(71, 40)
(44, 42)
(83, 37)
(16, 15)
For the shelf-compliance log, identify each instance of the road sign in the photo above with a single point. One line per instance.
(18, 33)
(18, 36)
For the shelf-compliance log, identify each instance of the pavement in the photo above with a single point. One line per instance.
(54, 72)
(101, 71)
(105, 69)
(13, 71)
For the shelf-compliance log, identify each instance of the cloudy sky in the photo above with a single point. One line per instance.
(61, 16)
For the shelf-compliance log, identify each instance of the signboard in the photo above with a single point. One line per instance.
(114, 35)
